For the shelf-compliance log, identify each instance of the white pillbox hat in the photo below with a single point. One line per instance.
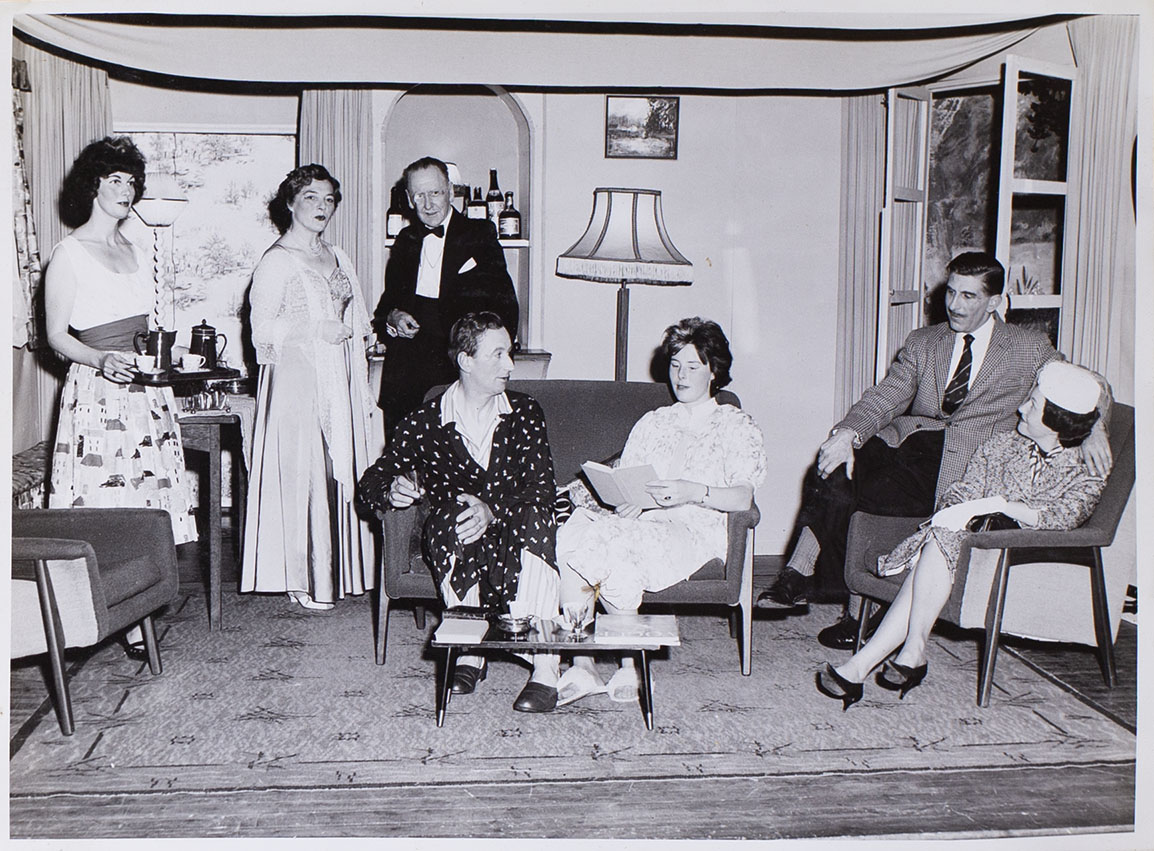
(1070, 387)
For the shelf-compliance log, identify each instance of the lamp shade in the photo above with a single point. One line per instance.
(626, 241)
(162, 202)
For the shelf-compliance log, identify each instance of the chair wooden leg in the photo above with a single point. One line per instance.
(745, 601)
(419, 615)
(864, 612)
(382, 623)
(1102, 630)
(54, 638)
(150, 645)
(994, 610)
(746, 637)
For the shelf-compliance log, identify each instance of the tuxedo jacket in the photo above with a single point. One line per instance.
(473, 274)
(909, 398)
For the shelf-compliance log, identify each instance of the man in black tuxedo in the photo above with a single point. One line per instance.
(440, 268)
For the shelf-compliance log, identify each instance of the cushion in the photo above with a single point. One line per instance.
(125, 578)
(73, 601)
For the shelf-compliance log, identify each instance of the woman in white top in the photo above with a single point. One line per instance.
(117, 443)
(302, 532)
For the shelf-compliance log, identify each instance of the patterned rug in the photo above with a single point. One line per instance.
(283, 698)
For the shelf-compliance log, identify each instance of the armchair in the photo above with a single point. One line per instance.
(585, 419)
(90, 573)
(1054, 572)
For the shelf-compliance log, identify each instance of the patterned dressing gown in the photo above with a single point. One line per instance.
(518, 487)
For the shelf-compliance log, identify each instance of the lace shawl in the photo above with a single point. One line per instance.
(289, 299)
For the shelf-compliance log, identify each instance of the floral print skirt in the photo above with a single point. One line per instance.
(118, 446)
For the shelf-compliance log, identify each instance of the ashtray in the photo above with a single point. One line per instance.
(514, 625)
(156, 370)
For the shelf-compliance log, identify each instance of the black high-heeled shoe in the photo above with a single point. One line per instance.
(909, 677)
(847, 691)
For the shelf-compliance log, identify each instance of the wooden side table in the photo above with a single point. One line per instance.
(201, 432)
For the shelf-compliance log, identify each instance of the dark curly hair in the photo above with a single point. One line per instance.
(98, 160)
(466, 333)
(291, 186)
(1071, 428)
(708, 339)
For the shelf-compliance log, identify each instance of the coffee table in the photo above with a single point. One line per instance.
(638, 633)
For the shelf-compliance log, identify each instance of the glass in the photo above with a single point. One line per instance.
(1036, 236)
(963, 178)
(1042, 136)
(1041, 319)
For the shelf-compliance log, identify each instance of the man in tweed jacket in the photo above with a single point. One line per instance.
(904, 442)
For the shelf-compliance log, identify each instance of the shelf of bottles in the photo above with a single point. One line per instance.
(496, 206)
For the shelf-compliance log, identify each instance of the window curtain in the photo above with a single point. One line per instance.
(66, 107)
(862, 196)
(334, 131)
(1101, 264)
(26, 275)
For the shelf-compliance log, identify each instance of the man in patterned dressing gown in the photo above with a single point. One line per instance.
(478, 455)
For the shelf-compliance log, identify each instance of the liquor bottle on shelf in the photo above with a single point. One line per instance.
(477, 208)
(395, 220)
(509, 221)
(495, 201)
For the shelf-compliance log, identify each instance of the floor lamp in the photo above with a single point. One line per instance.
(160, 205)
(625, 243)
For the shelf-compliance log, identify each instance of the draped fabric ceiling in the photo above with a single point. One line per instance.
(898, 50)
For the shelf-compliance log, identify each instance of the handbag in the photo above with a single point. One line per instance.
(995, 522)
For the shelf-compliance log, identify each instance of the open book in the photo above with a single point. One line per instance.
(616, 486)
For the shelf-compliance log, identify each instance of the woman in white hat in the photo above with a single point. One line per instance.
(1036, 476)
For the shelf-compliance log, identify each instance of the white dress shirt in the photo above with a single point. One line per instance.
(432, 257)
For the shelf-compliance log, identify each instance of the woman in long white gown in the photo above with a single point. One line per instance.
(302, 532)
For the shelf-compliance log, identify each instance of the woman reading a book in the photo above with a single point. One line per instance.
(708, 459)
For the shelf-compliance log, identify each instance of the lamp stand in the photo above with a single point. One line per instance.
(157, 278)
(621, 357)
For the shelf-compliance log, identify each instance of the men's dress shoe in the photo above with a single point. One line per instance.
(789, 591)
(536, 697)
(466, 677)
(842, 635)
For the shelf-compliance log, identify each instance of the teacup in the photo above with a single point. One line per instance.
(145, 363)
(190, 362)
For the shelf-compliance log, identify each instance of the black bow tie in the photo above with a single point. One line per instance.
(438, 231)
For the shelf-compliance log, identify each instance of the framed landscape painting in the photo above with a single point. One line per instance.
(641, 127)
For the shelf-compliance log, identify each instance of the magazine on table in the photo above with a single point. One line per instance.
(661, 629)
(620, 485)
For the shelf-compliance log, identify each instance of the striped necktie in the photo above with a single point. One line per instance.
(960, 384)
